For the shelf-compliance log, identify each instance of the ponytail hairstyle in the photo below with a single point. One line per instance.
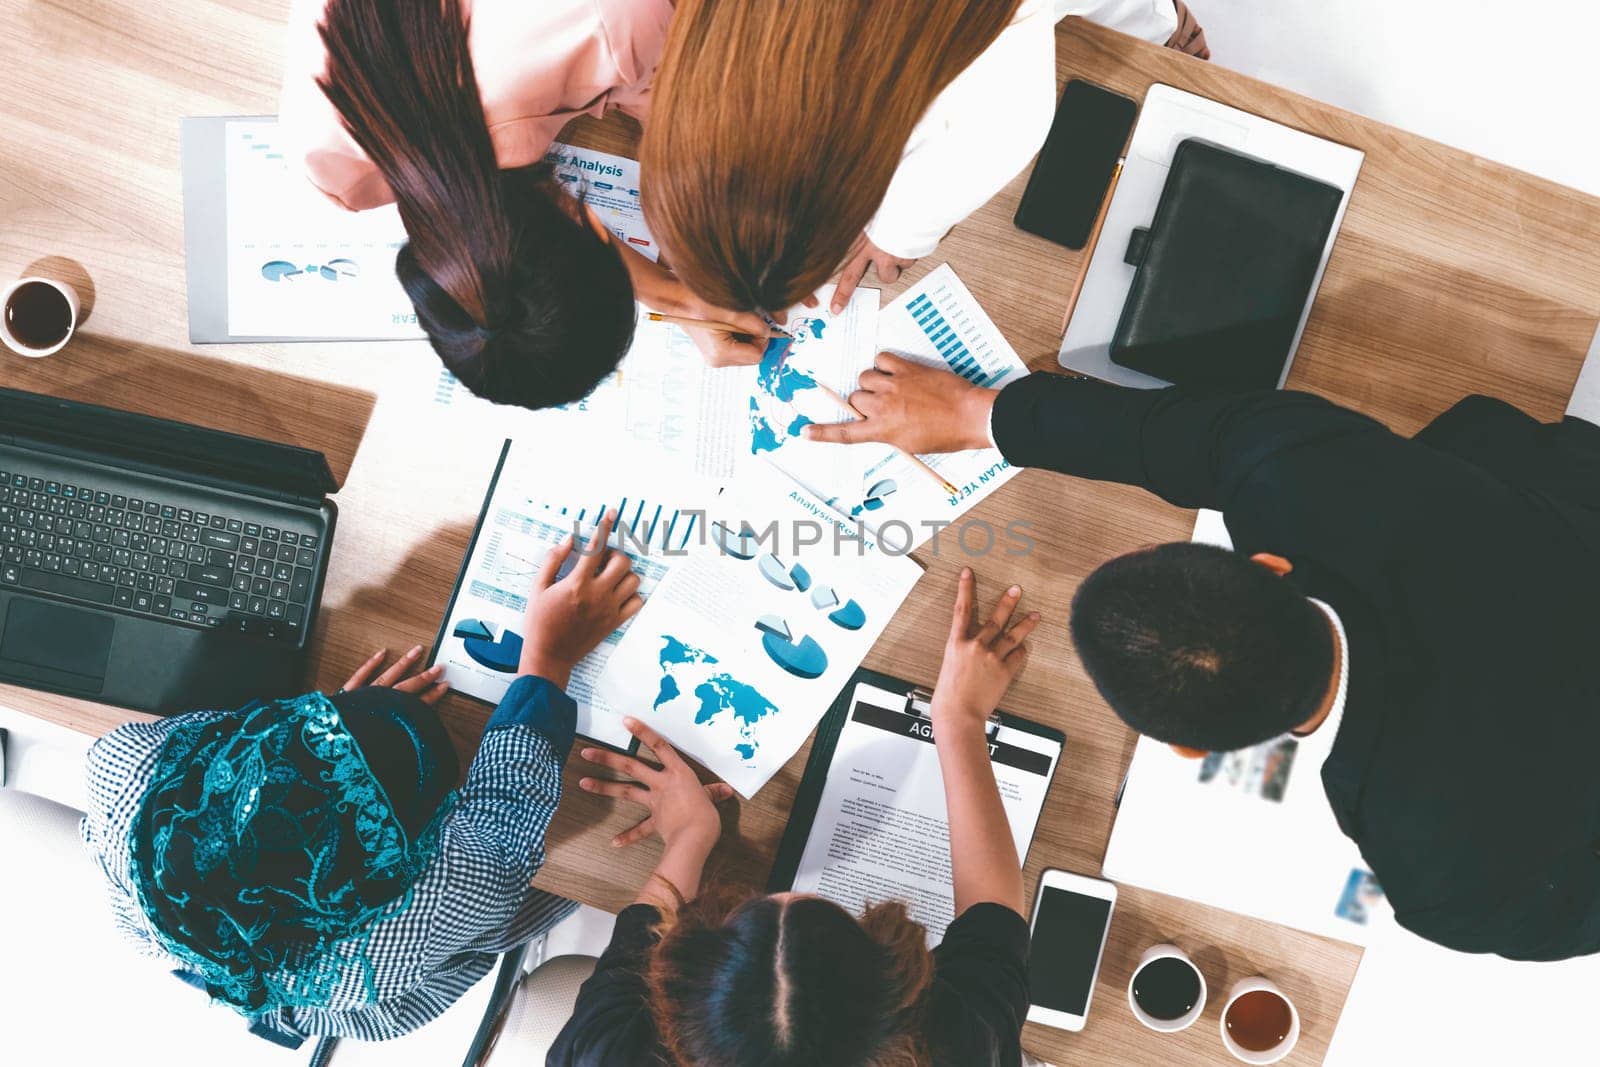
(791, 981)
(776, 126)
(522, 300)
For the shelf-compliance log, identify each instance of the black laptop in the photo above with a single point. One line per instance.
(154, 564)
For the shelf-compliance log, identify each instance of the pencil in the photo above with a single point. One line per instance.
(915, 462)
(703, 324)
(1094, 241)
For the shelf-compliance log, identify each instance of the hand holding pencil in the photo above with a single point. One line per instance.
(724, 344)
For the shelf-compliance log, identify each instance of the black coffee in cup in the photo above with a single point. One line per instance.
(38, 315)
(1167, 988)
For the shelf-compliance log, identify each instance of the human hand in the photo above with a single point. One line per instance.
(568, 618)
(916, 408)
(1189, 38)
(980, 662)
(425, 685)
(729, 349)
(682, 810)
(864, 254)
(720, 348)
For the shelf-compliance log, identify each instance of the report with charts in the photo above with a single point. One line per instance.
(739, 652)
(1250, 831)
(298, 265)
(870, 823)
(937, 322)
(531, 506)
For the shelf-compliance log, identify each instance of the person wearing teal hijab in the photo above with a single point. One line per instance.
(311, 862)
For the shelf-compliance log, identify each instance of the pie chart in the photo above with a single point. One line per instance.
(849, 617)
(501, 656)
(739, 546)
(473, 628)
(279, 269)
(879, 493)
(772, 570)
(803, 659)
(823, 598)
(335, 269)
(801, 577)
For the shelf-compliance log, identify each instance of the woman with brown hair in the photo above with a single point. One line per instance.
(789, 137)
(525, 296)
(790, 980)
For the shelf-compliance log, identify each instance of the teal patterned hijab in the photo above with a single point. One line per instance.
(266, 847)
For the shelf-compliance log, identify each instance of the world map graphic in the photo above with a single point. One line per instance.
(689, 680)
(774, 419)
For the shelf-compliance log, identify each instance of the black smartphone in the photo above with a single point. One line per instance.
(1069, 181)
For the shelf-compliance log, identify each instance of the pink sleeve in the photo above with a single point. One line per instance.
(310, 125)
(635, 32)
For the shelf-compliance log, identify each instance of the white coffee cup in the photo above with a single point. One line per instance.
(17, 334)
(1182, 1022)
(1264, 1056)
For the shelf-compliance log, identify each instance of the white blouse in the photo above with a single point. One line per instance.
(965, 150)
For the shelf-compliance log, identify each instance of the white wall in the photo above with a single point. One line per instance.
(1517, 83)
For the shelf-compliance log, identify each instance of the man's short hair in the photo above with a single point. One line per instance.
(1198, 646)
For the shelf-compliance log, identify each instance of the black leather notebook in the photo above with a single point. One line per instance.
(1225, 270)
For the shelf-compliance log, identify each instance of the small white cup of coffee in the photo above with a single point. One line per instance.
(1167, 992)
(37, 316)
(1259, 1022)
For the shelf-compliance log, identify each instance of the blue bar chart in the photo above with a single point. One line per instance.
(946, 341)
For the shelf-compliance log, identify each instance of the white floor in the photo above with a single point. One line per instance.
(1516, 83)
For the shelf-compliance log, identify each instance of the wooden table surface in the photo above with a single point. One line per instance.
(1451, 275)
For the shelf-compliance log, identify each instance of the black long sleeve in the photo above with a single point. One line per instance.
(1193, 449)
(611, 1021)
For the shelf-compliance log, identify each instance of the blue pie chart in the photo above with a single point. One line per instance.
(801, 577)
(803, 660)
(501, 656)
(739, 546)
(772, 570)
(849, 617)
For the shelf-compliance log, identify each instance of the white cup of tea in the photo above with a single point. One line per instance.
(1167, 992)
(1259, 1022)
(37, 316)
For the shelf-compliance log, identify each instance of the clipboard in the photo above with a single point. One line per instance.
(808, 797)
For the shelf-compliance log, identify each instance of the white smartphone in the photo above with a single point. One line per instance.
(1071, 916)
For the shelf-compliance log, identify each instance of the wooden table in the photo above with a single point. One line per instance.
(1451, 275)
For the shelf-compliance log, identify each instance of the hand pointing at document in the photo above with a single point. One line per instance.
(916, 408)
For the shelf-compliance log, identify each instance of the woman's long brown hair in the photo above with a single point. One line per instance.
(521, 299)
(739, 979)
(777, 125)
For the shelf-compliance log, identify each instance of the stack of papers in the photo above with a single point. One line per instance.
(770, 564)
(743, 647)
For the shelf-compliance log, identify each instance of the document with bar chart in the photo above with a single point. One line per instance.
(747, 642)
(936, 322)
(532, 505)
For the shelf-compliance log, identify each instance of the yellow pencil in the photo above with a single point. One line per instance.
(701, 324)
(915, 462)
(1094, 242)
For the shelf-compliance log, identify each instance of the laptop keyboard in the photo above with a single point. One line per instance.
(151, 558)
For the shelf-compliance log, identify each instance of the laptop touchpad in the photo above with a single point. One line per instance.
(56, 645)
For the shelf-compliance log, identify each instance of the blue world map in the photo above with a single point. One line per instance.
(712, 693)
(773, 420)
